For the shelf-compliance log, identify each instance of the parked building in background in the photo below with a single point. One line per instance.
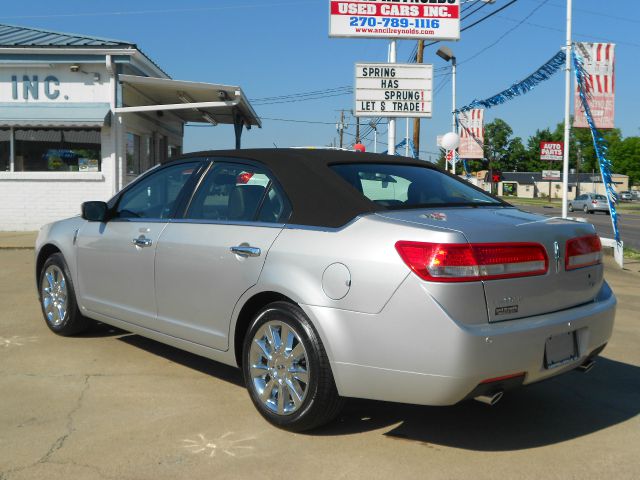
(532, 184)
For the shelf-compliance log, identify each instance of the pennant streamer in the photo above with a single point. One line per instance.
(402, 145)
(544, 73)
(599, 143)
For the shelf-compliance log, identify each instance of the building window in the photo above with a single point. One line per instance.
(56, 150)
(174, 151)
(164, 149)
(5, 150)
(133, 154)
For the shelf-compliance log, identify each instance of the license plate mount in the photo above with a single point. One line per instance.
(560, 350)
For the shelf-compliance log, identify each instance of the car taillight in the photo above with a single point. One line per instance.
(595, 202)
(244, 178)
(449, 262)
(583, 252)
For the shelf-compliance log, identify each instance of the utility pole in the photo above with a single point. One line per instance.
(341, 127)
(392, 121)
(416, 121)
(567, 113)
(578, 162)
(357, 129)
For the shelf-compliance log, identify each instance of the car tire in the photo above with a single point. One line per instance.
(290, 382)
(585, 209)
(571, 207)
(58, 298)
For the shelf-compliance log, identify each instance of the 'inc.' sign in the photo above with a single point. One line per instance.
(31, 87)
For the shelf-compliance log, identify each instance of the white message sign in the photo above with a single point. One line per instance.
(554, 175)
(418, 19)
(393, 90)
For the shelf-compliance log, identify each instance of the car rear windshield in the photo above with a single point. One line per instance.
(409, 186)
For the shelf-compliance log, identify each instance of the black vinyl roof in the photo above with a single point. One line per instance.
(319, 196)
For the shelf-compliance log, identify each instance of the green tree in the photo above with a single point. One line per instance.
(582, 144)
(503, 151)
(625, 158)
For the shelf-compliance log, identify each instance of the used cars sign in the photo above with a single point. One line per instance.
(401, 19)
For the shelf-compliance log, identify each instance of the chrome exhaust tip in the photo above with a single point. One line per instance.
(490, 399)
(587, 366)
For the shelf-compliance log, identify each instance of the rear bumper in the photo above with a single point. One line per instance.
(413, 352)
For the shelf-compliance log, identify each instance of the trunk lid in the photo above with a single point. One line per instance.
(513, 298)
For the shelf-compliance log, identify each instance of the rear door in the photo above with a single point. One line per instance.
(208, 259)
(116, 258)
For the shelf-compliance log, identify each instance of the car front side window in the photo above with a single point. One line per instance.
(155, 197)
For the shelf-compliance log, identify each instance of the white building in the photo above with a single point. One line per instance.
(80, 117)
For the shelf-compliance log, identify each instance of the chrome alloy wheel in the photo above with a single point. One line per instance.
(279, 367)
(54, 295)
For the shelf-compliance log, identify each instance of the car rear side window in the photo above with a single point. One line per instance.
(409, 186)
(238, 193)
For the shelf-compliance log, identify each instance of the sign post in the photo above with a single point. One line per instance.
(551, 176)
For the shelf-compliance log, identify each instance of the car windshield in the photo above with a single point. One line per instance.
(600, 197)
(398, 186)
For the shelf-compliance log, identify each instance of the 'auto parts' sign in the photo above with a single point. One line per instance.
(419, 19)
(552, 151)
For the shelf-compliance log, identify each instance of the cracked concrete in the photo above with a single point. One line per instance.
(110, 405)
(59, 443)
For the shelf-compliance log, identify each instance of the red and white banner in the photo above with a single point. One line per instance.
(599, 64)
(419, 19)
(552, 151)
(471, 134)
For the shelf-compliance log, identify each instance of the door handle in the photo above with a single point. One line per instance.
(142, 241)
(246, 251)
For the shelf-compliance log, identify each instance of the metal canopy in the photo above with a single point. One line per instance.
(192, 101)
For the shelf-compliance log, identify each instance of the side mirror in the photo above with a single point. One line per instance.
(95, 211)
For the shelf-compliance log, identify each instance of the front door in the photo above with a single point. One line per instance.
(116, 259)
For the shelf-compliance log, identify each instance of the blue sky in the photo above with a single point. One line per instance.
(281, 47)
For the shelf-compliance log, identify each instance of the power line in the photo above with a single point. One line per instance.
(291, 120)
(476, 10)
(593, 12)
(151, 11)
(491, 45)
(585, 35)
(478, 22)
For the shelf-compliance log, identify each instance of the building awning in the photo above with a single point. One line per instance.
(191, 101)
(53, 114)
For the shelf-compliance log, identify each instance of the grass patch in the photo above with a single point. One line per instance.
(631, 253)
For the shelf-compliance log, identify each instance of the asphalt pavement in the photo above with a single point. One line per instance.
(113, 405)
(628, 223)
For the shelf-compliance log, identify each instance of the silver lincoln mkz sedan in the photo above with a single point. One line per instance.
(329, 274)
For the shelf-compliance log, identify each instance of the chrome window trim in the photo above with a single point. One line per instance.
(318, 228)
(226, 222)
(140, 220)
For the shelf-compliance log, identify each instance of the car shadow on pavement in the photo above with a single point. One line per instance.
(189, 360)
(100, 330)
(560, 409)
